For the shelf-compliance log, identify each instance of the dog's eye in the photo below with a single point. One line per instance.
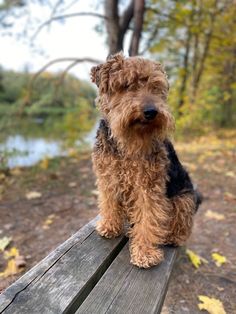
(131, 87)
(143, 80)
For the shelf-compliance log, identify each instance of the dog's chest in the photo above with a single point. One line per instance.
(137, 176)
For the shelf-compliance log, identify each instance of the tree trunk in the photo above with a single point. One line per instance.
(139, 8)
(197, 77)
(117, 25)
(183, 86)
(112, 26)
(229, 74)
(198, 73)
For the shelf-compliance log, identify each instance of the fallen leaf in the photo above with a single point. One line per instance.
(32, 195)
(230, 174)
(4, 242)
(214, 215)
(13, 252)
(218, 259)
(44, 164)
(229, 196)
(195, 259)
(11, 269)
(48, 221)
(72, 184)
(211, 305)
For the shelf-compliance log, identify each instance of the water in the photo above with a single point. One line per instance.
(25, 151)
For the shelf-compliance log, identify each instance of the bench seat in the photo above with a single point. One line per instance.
(90, 274)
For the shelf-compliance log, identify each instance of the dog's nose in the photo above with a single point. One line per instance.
(150, 113)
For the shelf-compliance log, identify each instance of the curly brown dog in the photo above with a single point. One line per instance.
(139, 176)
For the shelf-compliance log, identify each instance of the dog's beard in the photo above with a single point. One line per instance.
(135, 134)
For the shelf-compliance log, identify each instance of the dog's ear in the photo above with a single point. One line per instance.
(101, 74)
(95, 74)
(161, 68)
(116, 59)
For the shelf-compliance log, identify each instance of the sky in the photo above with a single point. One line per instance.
(75, 38)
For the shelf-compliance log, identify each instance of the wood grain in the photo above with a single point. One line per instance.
(126, 289)
(62, 280)
(90, 274)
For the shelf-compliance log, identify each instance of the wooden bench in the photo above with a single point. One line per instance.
(90, 274)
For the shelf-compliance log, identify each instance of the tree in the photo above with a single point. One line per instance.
(117, 23)
(193, 38)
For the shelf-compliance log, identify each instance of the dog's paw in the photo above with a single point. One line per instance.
(146, 257)
(108, 230)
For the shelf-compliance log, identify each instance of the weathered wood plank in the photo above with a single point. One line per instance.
(37, 271)
(126, 289)
(63, 279)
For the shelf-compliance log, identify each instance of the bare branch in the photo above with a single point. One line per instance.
(63, 75)
(36, 75)
(65, 16)
(77, 60)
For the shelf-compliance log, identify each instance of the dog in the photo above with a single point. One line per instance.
(139, 176)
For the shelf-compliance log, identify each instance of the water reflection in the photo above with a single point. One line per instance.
(25, 152)
(29, 151)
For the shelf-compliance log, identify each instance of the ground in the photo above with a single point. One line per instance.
(66, 200)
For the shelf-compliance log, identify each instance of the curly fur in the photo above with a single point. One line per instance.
(139, 176)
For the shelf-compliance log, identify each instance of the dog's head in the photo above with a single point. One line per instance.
(132, 97)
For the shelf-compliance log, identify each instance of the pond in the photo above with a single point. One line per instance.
(32, 140)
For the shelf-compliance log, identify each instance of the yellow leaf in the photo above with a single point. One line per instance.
(13, 252)
(4, 242)
(218, 259)
(230, 174)
(44, 164)
(11, 269)
(214, 215)
(32, 195)
(195, 259)
(48, 221)
(211, 305)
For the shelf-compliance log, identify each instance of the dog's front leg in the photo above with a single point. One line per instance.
(149, 230)
(112, 216)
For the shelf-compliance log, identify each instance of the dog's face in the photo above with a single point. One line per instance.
(132, 97)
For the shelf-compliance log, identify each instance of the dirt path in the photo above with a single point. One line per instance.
(68, 201)
(37, 226)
